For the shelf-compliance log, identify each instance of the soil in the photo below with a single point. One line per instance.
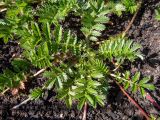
(145, 30)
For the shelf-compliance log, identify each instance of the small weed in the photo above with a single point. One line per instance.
(74, 68)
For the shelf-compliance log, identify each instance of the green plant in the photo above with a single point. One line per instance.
(74, 67)
(134, 82)
(120, 49)
(54, 11)
(12, 77)
(130, 5)
(41, 48)
(93, 19)
(120, 6)
(17, 16)
(157, 11)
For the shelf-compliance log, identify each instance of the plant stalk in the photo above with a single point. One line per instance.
(132, 20)
(150, 98)
(85, 111)
(134, 102)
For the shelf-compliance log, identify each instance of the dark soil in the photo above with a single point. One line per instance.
(145, 30)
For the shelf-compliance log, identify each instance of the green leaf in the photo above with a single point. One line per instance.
(134, 87)
(90, 99)
(79, 95)
(36, 29)
(119, 49)
(119, 8)
(68, 39)
(97, 75)
(149, 86)
(157, 11)
(36, 94)
(127, 74)
(81, 103)
(45, 48)
(47, 31)
(49, 84)
(68, 101)
(96, 33)
(100, 100)
(144, 80)
(104, 12)
(63, 94)
(126, 85)
(6, 39)
(142, 92)
(20, 65)
(94, 83)
(136, 77)
(59, 82)
(93, 7)
(86, 31)
(102, 19)
(92, 38)
(59, 35)
(99, 27)
(140, 56)
(92, 91)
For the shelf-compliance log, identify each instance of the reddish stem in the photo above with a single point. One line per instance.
(148, 97)
(133, 18)
(85, 112)
(134, 102)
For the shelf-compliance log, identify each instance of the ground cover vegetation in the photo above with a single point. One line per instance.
(78, 69)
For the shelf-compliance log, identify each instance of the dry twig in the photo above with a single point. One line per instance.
(39, 72)
(5, 91)
(25, 101)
